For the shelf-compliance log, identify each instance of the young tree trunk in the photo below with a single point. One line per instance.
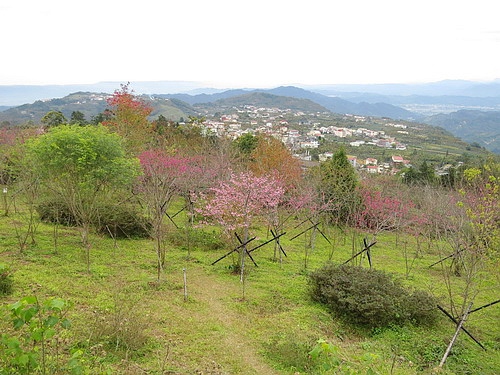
(454, 338)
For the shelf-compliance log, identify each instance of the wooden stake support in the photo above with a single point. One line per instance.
(447, 257)
(243, 245)
(367, 249)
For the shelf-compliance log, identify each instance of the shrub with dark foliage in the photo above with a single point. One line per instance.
(119, 221)
(370, 297)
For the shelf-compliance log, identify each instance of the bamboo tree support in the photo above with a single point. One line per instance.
(278, 245)
(470, 312)
(275, 238)
(185, 284)
(447, 257)
(172, 220)
(367, 249)
(484, 306)
(454, 338)
(315, 227)
(244, 249)
(235, 249)
(463, 328)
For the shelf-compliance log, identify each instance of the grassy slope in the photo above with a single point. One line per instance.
(216, 331)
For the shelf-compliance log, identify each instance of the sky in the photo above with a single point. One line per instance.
(241, 43)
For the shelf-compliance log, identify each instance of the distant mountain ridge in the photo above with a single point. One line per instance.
(268, 100)
(480, 127)
(90, 104)
(440, 88)
(332, 104)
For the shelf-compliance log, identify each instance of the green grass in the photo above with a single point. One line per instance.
(126, 323)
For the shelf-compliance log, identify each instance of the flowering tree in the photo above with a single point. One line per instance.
(474, 233)
(482, 205)
(381, 212)
(236, 203)
(129, 118)
(163, 176)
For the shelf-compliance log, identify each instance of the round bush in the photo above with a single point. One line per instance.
(370, 297)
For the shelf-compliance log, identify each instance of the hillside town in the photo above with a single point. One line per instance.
(303, 136)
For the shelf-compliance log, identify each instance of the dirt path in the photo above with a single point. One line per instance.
(209, 290)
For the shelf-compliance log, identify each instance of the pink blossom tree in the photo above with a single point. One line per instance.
(381, 212)
(236, 203)
(163, 177)
(387, 210)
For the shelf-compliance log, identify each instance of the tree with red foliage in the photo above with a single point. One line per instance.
(129, 118)
(387, 206)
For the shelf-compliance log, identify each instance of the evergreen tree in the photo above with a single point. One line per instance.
(77, 118)
(338, 182)
(53, 118)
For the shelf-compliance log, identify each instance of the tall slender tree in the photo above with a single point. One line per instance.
(337, 185)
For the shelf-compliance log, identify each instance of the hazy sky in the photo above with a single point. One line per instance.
(240, 43)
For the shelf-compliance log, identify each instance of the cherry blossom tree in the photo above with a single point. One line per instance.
(163, 176)
(381, 212)
(236, 203)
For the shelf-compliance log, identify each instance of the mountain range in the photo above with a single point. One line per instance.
(469, 110)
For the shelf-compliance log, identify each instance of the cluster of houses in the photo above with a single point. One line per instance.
(372, 165)
(274, 122)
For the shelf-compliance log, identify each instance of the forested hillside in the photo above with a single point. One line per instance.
(480, 127)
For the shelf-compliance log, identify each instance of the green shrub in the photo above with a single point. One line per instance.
(123, 221)
(57, 212)
(119, 221)
(370, 297)
(6, 281)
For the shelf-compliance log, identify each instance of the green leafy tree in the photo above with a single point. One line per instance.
(424, 175)
(246, 144)
(53, 118)
(102, 117)
(337, 185)
(194, 120)
(78, 118)
(81, 166)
